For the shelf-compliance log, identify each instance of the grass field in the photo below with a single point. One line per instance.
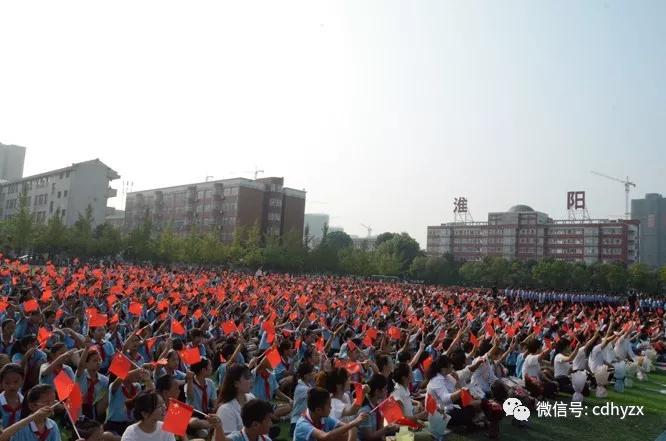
(590, 427)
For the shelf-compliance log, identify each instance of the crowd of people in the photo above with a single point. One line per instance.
(332, 358)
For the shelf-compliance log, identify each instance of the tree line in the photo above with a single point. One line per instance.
(394, 254)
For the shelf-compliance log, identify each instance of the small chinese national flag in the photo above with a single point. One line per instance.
(177, 328)
(74, 403)
(391, 410)
(120, 365)
(465, 397)
(63, 385)
(430, 404)
(190, 355)
(358, 397)
(177, 417)
(273, 357)
(30, 305)
(229, 327)
(97, 320)
(394, 333)
(135, 308)
(473, 339)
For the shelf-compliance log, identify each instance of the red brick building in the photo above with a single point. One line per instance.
(220, 206)
(524, 234)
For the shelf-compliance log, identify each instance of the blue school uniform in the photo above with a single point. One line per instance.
(241, 436)
(178, 375)
(281, 369)
(305, 427)
(100, 388)
(47, 378)
(30, 432)
(10, 415)
(106, 353)
(259, 386)
(6, 348)
(23, 328)
(118, 411)
(201, 390)
(220, 373)
(300, 401)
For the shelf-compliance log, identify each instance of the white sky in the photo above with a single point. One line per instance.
(383, 111)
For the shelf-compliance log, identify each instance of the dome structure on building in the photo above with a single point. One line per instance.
(520, 208)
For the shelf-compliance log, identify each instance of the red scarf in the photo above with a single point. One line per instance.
(90, 393)
(267, 386)
(204, 395)
(315, 425)
(12, 411)
(43, 435)
(102, 352)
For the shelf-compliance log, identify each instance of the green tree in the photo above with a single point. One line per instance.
(642, 278)
(22, 226)
(383, 238)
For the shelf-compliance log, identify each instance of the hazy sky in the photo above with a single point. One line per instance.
(383, 111)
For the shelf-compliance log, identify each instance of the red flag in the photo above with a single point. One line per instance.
(197, 314)
(391, 410)
(190, 355)
(470, 317)
(43, 336)
(351, 347)
(177, 328)
(30, 305)
(490, 331)
(135, 308)
(120, 365)
(74, 403)
(430, 404)
(229, 327)
(412, 424)
(358, 397)
(320, 344)
(114, 319)
(298, 344)
(465, 397)
(47, 295)
(394, 333)
(63, 385)
(150, 343)
(473, 339)
(177, 417)
(510, 331)
(97, 320)
(427, 363)
(273, 357)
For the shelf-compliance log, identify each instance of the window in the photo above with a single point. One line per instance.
(67, 174)
(60, 175)
(65, 192)
(53, 188)
(275, 202)
(51, 207)
(59, 194)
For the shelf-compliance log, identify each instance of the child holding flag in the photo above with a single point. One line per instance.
(316, 424)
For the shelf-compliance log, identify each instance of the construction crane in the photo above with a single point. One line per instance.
(627, 186)
(367, 228)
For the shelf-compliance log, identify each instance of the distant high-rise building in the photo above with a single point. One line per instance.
(220, 207)
(524, 234)
(11, 162)
(65, 192)
(314, 226)
(651, 212)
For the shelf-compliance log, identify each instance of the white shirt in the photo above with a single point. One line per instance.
(441, 388)
(623, 350)
(134, 433)
(338, 407)
(596, 358)
(580, 360)
(400, 393)
(484, 376)
(531, 366)
(561, 368)
(230, 415)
